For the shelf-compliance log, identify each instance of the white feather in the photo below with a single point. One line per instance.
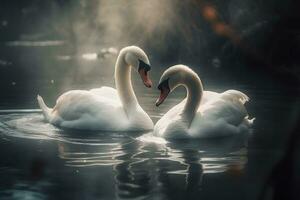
(219, 114)
(102, 108)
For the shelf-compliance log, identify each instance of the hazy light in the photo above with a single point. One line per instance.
(64, 57)
(110, 50)
(90, 56)
(209, 13)
(45, 43)
(104, 53)
(222, 29)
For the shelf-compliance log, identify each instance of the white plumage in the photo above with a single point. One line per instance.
(203, 113)
(103, 108)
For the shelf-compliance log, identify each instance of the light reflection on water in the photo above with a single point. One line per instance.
(84, 149)
(140, 161)
(21, 191)
(110, 165)
(103, 165)
(129, 165)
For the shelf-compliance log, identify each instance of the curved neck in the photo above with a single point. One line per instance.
(123, 83)
(194, 89)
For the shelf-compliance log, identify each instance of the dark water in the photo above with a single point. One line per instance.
(39, 161)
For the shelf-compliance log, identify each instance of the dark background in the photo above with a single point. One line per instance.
(252, 41)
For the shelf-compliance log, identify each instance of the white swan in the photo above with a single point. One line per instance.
(203, 113)
(105, 108)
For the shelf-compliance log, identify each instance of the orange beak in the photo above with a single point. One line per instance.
(145, 77)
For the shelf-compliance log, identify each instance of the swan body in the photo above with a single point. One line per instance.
(201, 114)
(105, 108)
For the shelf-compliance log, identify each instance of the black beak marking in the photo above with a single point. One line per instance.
(164, 84)
(143, 65)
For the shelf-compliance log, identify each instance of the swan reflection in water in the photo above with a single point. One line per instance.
(141, 163)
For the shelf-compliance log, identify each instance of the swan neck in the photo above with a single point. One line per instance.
(123, 83)
(194, 95)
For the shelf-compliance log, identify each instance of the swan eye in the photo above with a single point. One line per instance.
(143, 65)
(164, 84)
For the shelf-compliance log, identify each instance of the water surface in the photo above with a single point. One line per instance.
(40, 161)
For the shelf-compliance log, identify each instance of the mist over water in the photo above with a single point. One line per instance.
(232, 38)
(50, 47)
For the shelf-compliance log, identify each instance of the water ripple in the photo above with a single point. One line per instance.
(133, 150)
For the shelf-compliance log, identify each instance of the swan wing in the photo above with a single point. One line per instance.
(218, 118)
(209, 96)
(79, 104)
(107, 92)
(228, 105)
(232, 112)
(219, 114)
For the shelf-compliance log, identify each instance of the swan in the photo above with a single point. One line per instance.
(202, 114)
(105, 108)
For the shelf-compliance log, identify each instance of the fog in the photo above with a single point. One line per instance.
(73, 43)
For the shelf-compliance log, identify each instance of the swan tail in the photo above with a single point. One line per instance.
(46, 111)
(234, 95)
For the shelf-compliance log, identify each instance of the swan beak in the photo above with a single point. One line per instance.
(164, 92)
(145, 77)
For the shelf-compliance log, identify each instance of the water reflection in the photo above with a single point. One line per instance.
(93, 153)
(31, 184)
(141, 163)
(21, 191)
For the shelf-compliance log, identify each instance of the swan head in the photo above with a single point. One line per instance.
(138, 60)
(172, 78)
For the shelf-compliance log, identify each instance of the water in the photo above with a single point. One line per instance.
(108, 165)
(40, 161)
